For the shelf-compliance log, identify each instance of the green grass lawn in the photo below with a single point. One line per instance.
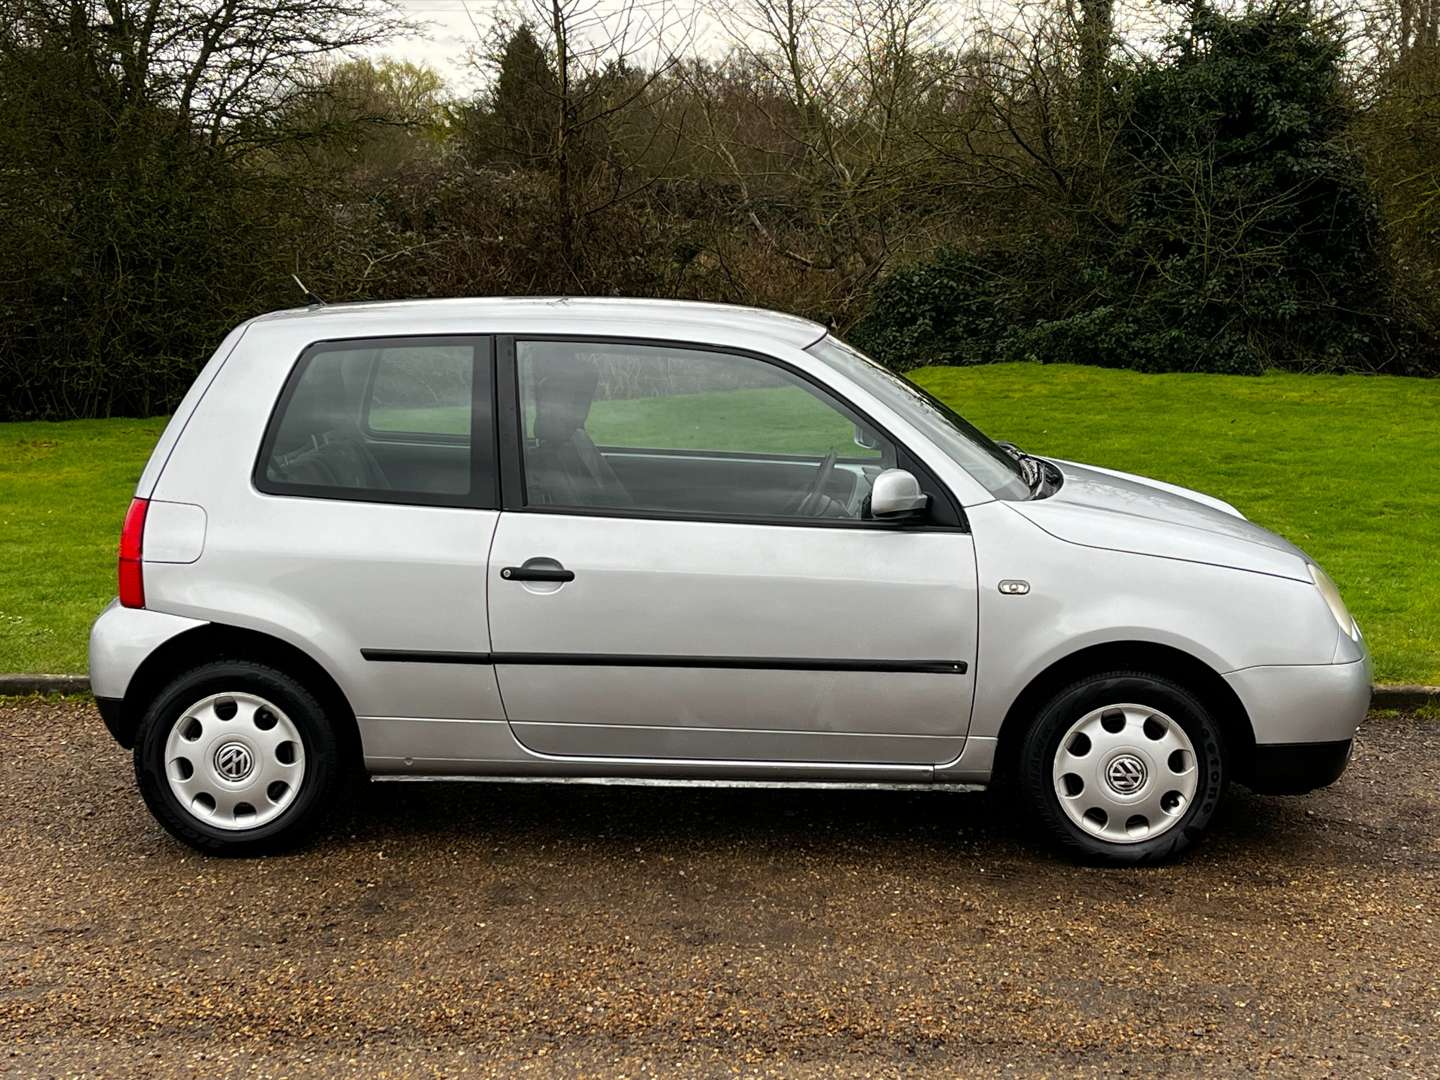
(1342, 465)
(64, 489)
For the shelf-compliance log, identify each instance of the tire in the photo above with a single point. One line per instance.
(1124, 748)
(231, 725)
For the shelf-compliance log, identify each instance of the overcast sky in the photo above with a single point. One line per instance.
(453, 29)
(447, 38)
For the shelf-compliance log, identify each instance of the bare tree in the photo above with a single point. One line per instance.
(216, 65)
(1396, 29)
(1033, 121)
(826, 173)
(605, 59)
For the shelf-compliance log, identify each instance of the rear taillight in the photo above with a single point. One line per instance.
(132, 573)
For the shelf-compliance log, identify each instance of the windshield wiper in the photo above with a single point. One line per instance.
(1032, 469)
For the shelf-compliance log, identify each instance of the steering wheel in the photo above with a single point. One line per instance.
(814, 500)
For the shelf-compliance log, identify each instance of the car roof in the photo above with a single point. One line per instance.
(556, 315)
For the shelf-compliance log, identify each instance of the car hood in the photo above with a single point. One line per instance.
(1121, 512)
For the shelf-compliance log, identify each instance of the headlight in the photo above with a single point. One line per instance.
(1333, 601)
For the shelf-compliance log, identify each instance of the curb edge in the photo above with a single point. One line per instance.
(44, 684)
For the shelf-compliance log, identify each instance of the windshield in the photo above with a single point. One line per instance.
(972, 449)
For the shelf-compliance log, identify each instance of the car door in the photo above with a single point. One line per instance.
(683, 568)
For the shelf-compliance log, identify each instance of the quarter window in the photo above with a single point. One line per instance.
(680, 430)
(396, 420)
(424, 390)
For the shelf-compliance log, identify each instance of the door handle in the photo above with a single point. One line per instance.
(537, 573)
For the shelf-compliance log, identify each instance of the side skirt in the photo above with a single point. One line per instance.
(645, 781)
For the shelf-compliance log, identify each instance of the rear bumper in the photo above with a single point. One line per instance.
(120, 641)
(118, 720)
(122, 638)
(1295, 768)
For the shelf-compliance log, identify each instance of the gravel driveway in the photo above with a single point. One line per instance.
(440, 929)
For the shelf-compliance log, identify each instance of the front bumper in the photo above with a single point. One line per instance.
(1295, 768)
(1304, 718)
(1304, 703)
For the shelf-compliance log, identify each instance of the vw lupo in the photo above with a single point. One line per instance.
(678, 543)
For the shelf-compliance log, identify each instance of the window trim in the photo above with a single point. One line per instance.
(483, 471)
(510, 427)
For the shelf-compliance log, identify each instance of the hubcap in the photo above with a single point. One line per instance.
(234, 761)
(1125, 773)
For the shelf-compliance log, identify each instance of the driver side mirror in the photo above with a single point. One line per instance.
(896, 496)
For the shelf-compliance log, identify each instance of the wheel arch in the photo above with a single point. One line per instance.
(212, 641)
(1165, 661)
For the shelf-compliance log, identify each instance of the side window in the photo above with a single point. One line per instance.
(423, 391)
(394, 420)
(666, 428)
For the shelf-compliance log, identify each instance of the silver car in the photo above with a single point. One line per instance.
(624, 540)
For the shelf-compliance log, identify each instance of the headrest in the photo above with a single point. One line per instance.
(564, 388)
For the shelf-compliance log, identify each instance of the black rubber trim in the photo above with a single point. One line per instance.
(117, 719)
(509, 432)
(748, 663)
(409, 656)
(1295, 768)
(759, 663)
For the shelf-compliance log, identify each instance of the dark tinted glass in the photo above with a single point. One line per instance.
(390, 421)
(632, 426)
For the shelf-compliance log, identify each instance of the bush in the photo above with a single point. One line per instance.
(1250, 240)
(956, 309)
(131, 245)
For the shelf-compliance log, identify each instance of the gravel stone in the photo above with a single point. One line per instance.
(527, 930)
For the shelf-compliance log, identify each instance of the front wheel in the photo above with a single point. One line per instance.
(1123, 767)
(236, 758)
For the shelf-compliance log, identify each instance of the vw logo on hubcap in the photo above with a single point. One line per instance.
(1125, 774)
(233, 761)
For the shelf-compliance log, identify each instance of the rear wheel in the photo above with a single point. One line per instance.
(236, 758)
(1123, 767)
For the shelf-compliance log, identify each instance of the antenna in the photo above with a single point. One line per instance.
(310, 298)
